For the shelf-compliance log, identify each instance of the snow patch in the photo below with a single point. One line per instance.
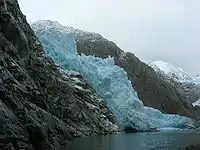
(170, 70)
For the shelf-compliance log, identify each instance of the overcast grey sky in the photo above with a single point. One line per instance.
(153, 30)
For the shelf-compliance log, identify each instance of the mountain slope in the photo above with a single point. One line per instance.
(151, 89)
(188, 86)
(41, 107)
(170, 70)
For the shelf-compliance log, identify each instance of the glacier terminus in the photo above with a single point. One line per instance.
(110, 81)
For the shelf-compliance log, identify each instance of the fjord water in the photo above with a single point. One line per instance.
(171, 140)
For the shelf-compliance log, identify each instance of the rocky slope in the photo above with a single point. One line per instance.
(40, 106)
(188, 86)
(190, 91)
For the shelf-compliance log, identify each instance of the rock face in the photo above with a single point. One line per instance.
(40, 106)
(190, 91)
(151, 88)
(189, 87)
(170, 70)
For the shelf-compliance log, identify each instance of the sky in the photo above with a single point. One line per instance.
(167, 30)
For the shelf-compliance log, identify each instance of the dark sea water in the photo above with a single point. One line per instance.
(171, 140)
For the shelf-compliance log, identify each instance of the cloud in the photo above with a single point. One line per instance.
(152, 29)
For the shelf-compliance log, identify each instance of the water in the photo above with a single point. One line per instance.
(138, 141)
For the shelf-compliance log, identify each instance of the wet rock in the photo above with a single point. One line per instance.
(41, 107)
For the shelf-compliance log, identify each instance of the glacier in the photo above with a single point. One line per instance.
(110, 82)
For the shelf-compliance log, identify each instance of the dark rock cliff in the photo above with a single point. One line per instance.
(151, 88)
(191, 91)
(41, 107)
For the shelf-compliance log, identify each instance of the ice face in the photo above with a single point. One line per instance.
(64, 41)
(111, 83)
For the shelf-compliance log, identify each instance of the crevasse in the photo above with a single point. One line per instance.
(110, 82)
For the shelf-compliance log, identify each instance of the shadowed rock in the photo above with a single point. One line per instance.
(40, 107)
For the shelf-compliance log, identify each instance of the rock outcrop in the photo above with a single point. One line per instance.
(190, 91)
(40, 106)
(188, 86)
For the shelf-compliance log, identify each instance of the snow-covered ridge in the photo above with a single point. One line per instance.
(48, 24)
(43, 25)
(170, 70)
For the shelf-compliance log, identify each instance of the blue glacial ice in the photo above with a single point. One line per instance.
(195, 80)
(110, 82)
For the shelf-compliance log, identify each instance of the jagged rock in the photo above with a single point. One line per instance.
(41, 107)
(188, 86)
